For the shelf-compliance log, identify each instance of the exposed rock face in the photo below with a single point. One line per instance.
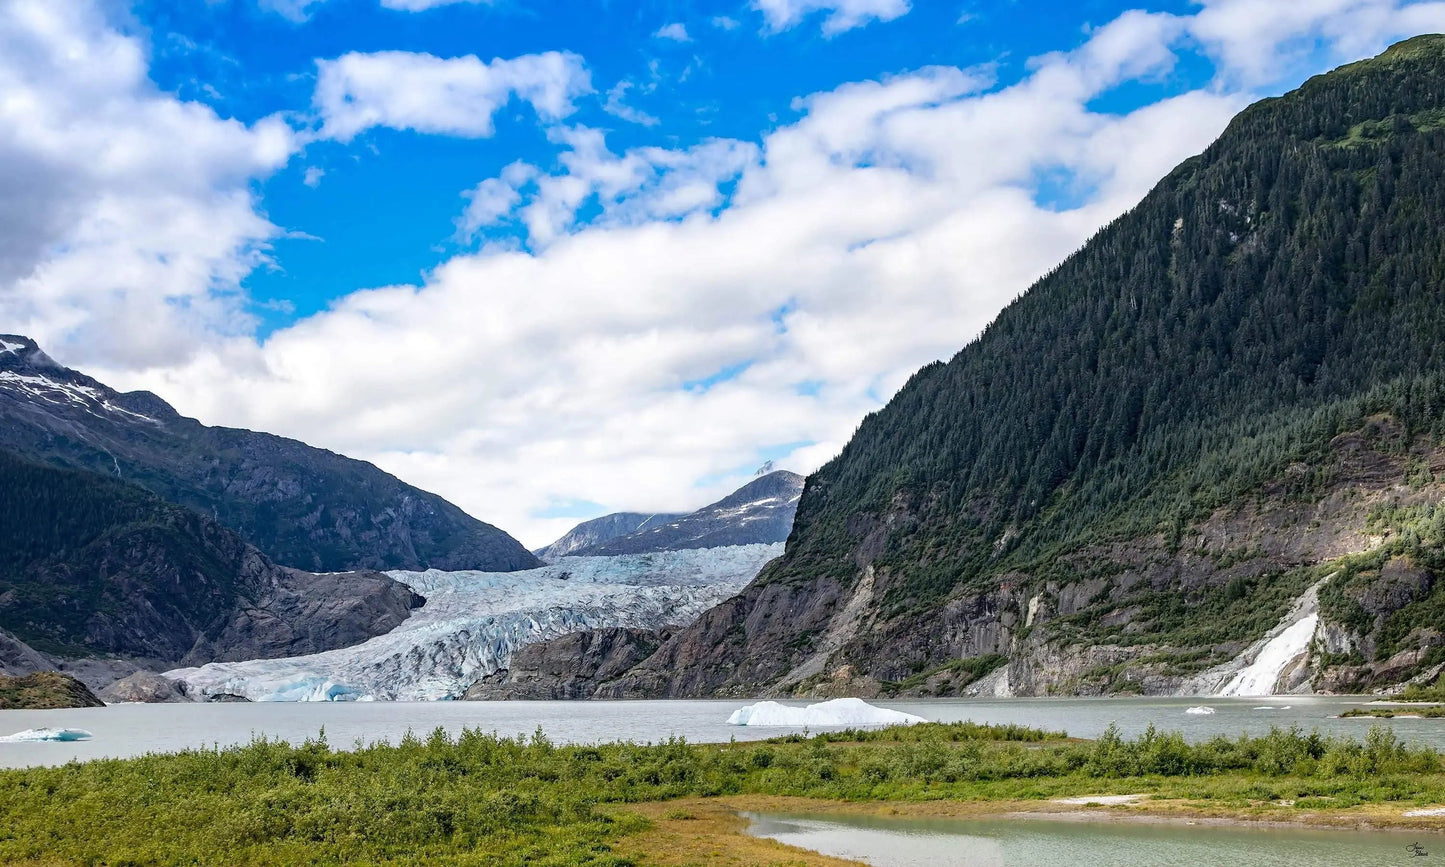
(304, 507)
(18, 658)
(145, 687)
(603, 529)
(298, 613)
(758, 513)
(574, 666)
(45, 690)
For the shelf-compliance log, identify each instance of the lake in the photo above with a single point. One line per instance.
(128, 730)
(1003, 842)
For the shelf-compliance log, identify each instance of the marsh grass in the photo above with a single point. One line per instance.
(482, 799)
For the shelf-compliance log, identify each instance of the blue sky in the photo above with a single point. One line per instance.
(555, 259)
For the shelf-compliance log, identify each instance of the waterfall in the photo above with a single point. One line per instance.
(1260, 676)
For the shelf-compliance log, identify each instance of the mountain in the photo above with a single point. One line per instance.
(1207, 444)
(758, 513)
(93, 568)
(303, 507)
(603, 529)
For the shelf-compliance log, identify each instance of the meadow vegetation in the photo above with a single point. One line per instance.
(483, 799)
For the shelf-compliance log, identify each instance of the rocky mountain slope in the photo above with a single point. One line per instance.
(98, 571)
(758, 513)
(604, 529)
(303, 507)
(1221, 418)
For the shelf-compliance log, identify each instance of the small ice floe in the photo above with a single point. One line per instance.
(45, 734)
(1272, 707)
(1433, 811)
(1199, 710)
(838, 712)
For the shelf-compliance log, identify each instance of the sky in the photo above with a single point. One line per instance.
(555, 259)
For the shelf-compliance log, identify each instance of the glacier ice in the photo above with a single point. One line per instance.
(473, 622)
(837, 712)
(45, 734)
(1200, 710)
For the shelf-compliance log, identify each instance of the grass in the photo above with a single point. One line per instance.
(44, 690)
(1392, 712)
(481, 799)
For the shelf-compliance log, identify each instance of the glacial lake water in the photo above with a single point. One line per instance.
(128, 730)
(1027, 842)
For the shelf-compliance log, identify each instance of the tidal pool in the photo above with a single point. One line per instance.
(1027, 842)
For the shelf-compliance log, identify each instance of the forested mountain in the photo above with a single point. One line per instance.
(304, 507)
(758, 513)
(93, 565)
(1140, 464)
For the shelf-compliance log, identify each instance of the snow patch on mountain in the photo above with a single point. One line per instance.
(473, 622)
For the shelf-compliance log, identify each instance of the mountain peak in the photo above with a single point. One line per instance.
(18, 351)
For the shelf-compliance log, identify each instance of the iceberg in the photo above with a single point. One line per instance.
(473, 622)
(1199, 710)
(45, 734)
(838, 712)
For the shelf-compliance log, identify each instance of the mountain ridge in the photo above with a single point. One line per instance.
(760, 512)
(305, 507)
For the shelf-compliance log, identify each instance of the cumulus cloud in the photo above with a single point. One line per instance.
(126, 215)
(676, 32)
(842, 14)
(453, 96)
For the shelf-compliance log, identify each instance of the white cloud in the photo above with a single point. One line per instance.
(677, 32)
(294, 10)
(723, 22)
(300, 10)
(1254, 41)
(312, 177)
(456, 96)
(842, 14)
(493, 200)
(422, 5)
(617, 106)
(126, 215)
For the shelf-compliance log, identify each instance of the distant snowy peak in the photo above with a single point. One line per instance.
(29, 375)
(603, 529)
(759, 513)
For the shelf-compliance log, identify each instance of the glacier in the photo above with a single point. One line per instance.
(838, 712)
(473, 622)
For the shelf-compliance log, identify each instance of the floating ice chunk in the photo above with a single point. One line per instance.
(1199, 710)
(45, 734)
(1272, 707)
(838, 712)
